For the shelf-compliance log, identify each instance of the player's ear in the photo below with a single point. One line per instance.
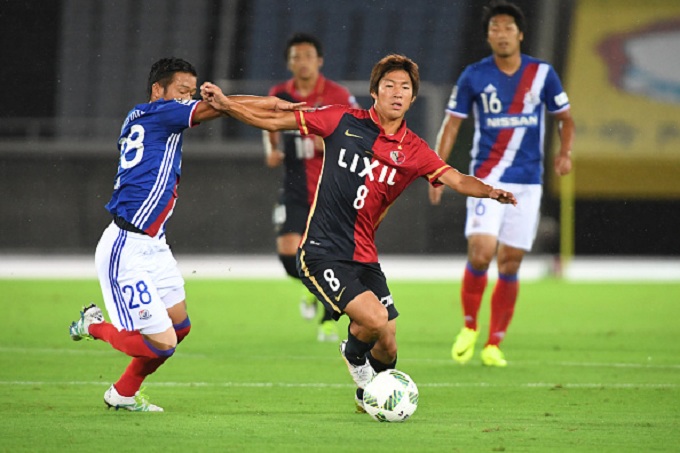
(374, 96)
(320, 62)
(413, 99)
(156, 91)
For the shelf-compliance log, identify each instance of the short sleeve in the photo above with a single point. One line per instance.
(462, 95)
(431, 166)
(556, 99)
(177, 115)
(321, 121)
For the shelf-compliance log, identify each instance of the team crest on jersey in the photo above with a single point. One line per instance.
(397, 157)
(532, 98)
(144, 314)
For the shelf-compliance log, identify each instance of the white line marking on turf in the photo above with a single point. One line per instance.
(540, 385)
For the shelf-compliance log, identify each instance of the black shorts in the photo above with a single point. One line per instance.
(290, 218)
(337, 283)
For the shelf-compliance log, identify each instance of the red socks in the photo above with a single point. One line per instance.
(471, 292)
(502, 307)
(129, 342)
(141, 367)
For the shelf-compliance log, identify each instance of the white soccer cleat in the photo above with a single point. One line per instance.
(90, 315)
(137, 403)
(362, 374)
(308, 306)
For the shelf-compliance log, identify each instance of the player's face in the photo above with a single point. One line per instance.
(182, 87)
(395, 94)
(504, 37)
(303, 61)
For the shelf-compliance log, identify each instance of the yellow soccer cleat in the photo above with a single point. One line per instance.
(464, 346)
(492, 356)
(328, 332)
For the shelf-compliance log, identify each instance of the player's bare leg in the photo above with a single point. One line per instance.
(369, 325)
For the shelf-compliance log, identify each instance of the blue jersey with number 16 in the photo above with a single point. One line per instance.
(509, 117)
(150, 147)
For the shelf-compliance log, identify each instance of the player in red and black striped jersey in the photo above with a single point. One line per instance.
(370, 158)
(302, 157)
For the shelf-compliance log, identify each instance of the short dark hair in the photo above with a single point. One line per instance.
(394, 62)
(498, 7)
(303, 38)
(163, 71)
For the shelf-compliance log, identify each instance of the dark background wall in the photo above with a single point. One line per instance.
(73, 68)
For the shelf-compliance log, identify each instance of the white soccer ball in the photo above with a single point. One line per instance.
(391, 396)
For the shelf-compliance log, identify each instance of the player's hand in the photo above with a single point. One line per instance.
(563, 164)
(213, 95)
(209, 90)
(274, 159)
(503, 197)
(435, 194)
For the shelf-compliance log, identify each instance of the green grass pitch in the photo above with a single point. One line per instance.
(593, 367)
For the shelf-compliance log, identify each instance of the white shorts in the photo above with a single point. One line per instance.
(515, 226)
(139, 280)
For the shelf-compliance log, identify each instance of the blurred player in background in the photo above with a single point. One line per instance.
(508, 92)
(302, 158)
(370, 157)
(143, 289)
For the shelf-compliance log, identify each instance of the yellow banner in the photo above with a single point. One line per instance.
(623, 82)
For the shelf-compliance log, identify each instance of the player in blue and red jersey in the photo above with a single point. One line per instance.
(302, 157)
(143, 289)
(508, 93)
(370, 157)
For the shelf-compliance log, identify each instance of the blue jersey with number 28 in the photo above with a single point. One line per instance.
(150, 147)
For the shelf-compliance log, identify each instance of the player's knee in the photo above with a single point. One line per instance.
(480, 260)
(182, 329)
(162, 344)
(289, 265)
(376, 323)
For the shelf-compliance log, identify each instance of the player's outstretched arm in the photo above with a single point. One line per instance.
(448, 132)
(270, 113)
(475, 187)
(566, 132)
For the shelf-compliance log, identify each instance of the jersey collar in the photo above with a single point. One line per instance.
(398, 136)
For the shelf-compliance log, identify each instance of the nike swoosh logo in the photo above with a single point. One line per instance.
(462, 353)
(337, 298)
(349, 134)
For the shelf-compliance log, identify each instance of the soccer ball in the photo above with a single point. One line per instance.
(391, 396)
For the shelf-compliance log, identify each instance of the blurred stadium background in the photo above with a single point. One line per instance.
(71, 69)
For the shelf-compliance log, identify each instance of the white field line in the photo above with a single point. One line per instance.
(396, 267)
(322, 385)
(334, 357)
